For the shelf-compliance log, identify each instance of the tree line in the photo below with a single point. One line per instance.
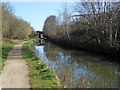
(14, 27)
(95, 23)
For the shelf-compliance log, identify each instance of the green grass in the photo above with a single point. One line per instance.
(41, 76)
(5, 50)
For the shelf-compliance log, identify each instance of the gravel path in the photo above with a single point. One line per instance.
(15, 71)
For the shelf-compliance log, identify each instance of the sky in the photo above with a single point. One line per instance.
(36, 12)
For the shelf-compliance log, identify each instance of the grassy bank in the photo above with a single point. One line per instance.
(41, 76)
(6, 46)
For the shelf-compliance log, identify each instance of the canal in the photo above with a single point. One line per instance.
(80, 69)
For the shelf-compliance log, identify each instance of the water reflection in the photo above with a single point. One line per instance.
(40, 42)
(80, 69)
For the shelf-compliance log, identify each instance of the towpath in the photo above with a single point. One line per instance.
(15, 71)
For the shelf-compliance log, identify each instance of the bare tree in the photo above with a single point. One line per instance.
(64, 19)
(12, 26)
(102, 17)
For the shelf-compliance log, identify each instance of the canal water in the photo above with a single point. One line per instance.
(80, 69)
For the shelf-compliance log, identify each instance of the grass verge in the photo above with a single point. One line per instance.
(5, 51)
(41, 76)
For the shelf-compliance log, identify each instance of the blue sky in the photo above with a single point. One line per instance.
(36, 12)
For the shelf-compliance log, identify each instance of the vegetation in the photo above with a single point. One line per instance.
(12, 26)
(6, 47)
(40, 75)
(89, 25)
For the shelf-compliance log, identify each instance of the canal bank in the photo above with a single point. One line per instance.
(41, 76)
(77, 43)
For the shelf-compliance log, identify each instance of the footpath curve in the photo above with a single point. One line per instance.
(15, 71)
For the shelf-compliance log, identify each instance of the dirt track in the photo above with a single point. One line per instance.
(15, 71)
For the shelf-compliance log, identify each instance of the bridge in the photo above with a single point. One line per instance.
(41, 35)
